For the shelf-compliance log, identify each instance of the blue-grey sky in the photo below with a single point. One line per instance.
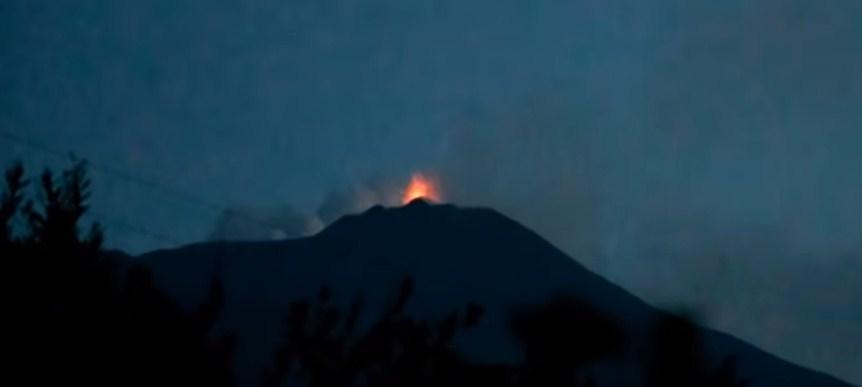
(697, 152)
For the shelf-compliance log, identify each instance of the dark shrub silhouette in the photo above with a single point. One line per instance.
(561, 336)
(324, 347)
(78, 315)
(678, 359)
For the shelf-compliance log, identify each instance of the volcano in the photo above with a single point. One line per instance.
(455, 256)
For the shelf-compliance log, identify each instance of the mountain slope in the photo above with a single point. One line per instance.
(455, 255)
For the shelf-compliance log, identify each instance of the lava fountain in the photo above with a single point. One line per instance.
(420, 186)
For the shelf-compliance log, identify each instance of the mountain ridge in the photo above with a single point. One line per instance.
(456, 255)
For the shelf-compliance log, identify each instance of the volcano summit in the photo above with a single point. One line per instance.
(455, 256)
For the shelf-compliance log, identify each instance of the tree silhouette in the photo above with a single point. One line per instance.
(11, 201)
(77, 315)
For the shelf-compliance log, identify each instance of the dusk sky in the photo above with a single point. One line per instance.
(699, 153)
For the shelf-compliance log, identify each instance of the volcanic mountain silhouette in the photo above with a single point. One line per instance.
(456, 256)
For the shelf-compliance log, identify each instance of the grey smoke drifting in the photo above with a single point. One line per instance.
(358, 197)
(284, 222)
(262, 223)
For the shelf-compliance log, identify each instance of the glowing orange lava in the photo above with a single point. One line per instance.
(420, 187)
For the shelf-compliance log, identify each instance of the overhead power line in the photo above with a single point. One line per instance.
(120, 174)
(113, 171)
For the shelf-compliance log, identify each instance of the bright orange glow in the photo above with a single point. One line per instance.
(420, 187)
